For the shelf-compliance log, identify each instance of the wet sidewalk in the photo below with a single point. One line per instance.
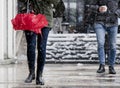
(60, 76)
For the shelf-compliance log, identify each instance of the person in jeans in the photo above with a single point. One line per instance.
(106, 21)
(42, 7)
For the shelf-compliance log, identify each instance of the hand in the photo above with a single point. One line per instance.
(102, 9)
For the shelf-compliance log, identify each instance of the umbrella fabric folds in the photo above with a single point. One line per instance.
(29, 21)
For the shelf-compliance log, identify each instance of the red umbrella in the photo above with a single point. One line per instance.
(28, 21)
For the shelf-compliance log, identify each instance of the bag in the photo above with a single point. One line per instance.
(59, 9)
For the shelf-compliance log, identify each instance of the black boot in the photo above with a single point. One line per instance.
(39, 79)
(111, 70)
(30, 77)
(101, 69)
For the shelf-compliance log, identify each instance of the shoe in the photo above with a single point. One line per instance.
(112, 70)
(39, 79)
(101, 69)
(30, 77)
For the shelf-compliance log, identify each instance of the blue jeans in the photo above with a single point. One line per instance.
(101, 30)
(31, 38)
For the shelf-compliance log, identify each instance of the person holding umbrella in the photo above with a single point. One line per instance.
(37, 7)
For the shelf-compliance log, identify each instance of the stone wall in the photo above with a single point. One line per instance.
(74, 48)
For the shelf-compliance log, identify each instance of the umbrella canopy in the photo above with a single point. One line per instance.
(29, 21)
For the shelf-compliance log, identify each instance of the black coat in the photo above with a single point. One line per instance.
(109, 18)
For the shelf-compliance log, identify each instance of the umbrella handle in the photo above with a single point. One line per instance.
(28, 8)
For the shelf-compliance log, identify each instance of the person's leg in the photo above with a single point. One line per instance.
(55, 26)
(31, 46)
(112, 32)
(100, 34)
(42, 42)
(60, 25)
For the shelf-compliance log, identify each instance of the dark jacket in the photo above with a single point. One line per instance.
(22, 6)
(109, 18)
(40, 6)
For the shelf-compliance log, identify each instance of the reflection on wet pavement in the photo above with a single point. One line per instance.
(60, 76)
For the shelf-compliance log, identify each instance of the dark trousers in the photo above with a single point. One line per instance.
(41, 40)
